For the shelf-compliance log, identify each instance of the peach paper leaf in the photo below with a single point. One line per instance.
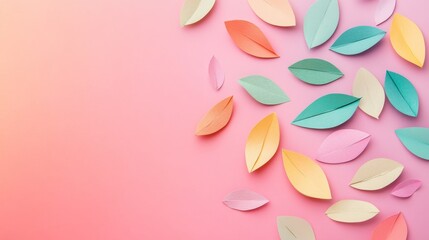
(351, 211)
(294, 228)
(216, 74)
(245, 200)
(195, 10)
(384, 10)
(216, 118)
(406, 188)
(368, 88)
(275, 12)
(392, 228)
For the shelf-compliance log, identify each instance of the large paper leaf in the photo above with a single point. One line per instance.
(216, 74)
(352, 211)
(407, 40)
(368, 88)
(401, 94)
(250, 39)
(195, 10)
(343, 146)
(320, 22)
(315, 71)
(306, 176)
(328, 111)
(376, 174)
(294, 228)
(262, 142)
(357, 40)
(244, 200)
(264, 90)
(216, 118)
(392, 228)
(406, 188)
(275, 12)
(384, 10)
(416, 140)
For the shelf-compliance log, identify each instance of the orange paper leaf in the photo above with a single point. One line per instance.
(216, 119)
(393, 228)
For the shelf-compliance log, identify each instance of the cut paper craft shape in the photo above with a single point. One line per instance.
(275, 12)
(250, 39)
(416, 140)
(392, 228)
(262, 142)
(315, 71)
(328, 111)
(352, 211)
(320, 22)
(342, 146)
(245, 200)
(216, 118)
(294, 228)
(264, 90)
(216, 74)
(401, 94)
(306, 176)
(368, 88)
(357, 40)
(195, 10)
(407, 40)
(376, 174)
(406, 188)
(384, 10)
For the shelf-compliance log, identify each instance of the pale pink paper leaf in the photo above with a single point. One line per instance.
(244, 200)
(216, 74)
(406, 188)
(384, 10)
(342, 146)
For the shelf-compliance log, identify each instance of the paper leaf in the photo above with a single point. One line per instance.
(264, 90)
(195, 10)
(416, 140)
(275, 12)
(401, 94)
(352, 211)
(216, 118)
(343, 146)
(384, 10)
(368, 88)
(406, 188)
(294, 228)
(376, 174)
(320, 22)
(357, 40)
(392, 228)
(328, 111)
(216, 74)
(407, 40)
(315, 71)
(306, 176)
(262, 142)
(250, 39)
(245, 200)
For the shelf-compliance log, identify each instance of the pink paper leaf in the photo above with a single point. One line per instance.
(406, 188)
(245, 200)
(384, 10)
(216, 74)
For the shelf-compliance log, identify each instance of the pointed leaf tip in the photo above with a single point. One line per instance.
(402, 94)
(294, 228)
(352, 211)
(315, 71)
(320, 22)
(367, 87)
(357, 40)
(406, 188)
(245, 200)
(392, 228)
(264, 90)
(216, 118)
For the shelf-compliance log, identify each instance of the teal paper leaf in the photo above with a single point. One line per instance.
(264, 90)
(357, 40)
(401, 94)
(315, 71)
(416, 140)
(328, 111)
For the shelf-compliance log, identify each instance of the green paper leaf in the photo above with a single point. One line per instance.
(328, 111)
(357, 40)
(320, 22)
(264, 90)
(315, 71)
(416, 140)
(401, 94)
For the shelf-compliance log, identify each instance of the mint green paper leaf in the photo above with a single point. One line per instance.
(416, 140)
(401, 94)
(320, 22)
(357, 40)
(315, 71)
(328, 111)
(264, 90)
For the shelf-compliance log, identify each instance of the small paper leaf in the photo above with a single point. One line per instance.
(328, 111)
(357, 40)
(343, 146)
(306, 176)
(368, 88)
(315, 71)
(264, 90)
(195, 10)
(401, 94)
(376, 174)
(244, 200)
(275, 12)
(416, 140)
(216, 118)
(250, 39)
(320, 22)
(216, 74)
(294, 228)
(262, 142)
(384, 10)
(406, 188)
(352, 211)
(392, 228)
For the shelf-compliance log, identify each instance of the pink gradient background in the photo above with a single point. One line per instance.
(99, 101)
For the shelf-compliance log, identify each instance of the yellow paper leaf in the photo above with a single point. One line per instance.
(216, 118)
(306, 176)
(369, 89)
(195, 10)
(352, 211)
(275, 12)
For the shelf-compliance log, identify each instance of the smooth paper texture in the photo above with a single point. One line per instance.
(342, 146)
(392, 228)
(195, 10)
(401, 94)
(216, 118)
(376, 174)
(320, 22)
(216, 74)
(264, 90)
(262, 142)
(357, 40)
(406, 188)
(275, 12)
(294, 228)
(315, 71)
(250, 39)
(245, 200)
(367, 87)
(328, 111)
(306, 176)
(416, 140)
(352, 211)
(384, 10)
